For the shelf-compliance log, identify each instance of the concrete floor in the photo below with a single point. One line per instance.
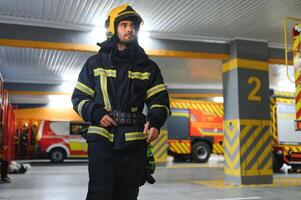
(68, 181)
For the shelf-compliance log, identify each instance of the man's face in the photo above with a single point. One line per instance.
(126, 31)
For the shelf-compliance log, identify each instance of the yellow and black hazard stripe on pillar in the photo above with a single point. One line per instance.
(160, 148)
(180, 146)
(248, 149)
(231, 144)
(256, 148)
(247, 138)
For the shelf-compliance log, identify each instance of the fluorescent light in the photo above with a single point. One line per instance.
(60, 101)
(144, 38)
(218, 99)
(70, 76)
(98, 34)
(67, 86)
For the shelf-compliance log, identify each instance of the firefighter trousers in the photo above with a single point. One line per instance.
(115, 174)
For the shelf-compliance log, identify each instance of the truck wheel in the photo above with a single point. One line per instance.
(201, 152)
(57, 155)
(277, 162)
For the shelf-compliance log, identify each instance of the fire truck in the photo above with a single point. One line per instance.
(58, 140)
(286, 140)
(195, 130)
(286, 112)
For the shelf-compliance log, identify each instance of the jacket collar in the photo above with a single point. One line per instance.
(108, 45)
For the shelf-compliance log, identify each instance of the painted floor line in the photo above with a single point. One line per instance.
(240, 198)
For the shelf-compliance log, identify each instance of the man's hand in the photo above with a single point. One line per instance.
(107, 121)
(153, 133)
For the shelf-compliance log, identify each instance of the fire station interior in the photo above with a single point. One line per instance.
(232, 70)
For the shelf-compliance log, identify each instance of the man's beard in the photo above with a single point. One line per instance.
(128, 41)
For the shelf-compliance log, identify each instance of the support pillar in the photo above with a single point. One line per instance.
(247, 141)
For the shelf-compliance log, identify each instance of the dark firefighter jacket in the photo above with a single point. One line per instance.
(114, 80)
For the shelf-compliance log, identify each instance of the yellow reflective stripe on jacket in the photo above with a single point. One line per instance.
(139, 75)
(101, 131)
(154, 90)
(85, 89)
(161, 106)
(104, 90)
(103, 74)
(107, 72)
(80, 106)
(135, 136)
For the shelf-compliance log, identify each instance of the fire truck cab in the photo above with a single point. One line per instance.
(195, 130)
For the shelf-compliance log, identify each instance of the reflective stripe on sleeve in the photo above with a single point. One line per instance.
(85, 89)
(154, 90)
(80, 106)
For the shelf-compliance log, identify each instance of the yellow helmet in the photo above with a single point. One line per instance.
(118, 14)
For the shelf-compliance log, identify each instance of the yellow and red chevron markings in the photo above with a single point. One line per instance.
(296, 58)
(205, 106)
(284, 95)
(274, 124)
(273, 120)
(180, 146)
(293, 149)
(218, 148)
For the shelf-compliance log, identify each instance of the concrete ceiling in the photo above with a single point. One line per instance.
(194, 19)
(172, 19)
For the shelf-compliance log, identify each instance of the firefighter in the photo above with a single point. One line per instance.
(112, 89)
